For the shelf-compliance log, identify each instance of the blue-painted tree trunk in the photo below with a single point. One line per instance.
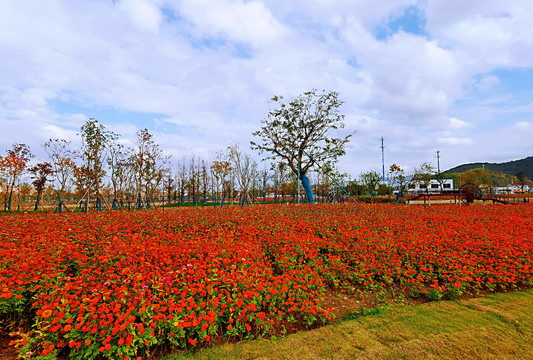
(307, 187)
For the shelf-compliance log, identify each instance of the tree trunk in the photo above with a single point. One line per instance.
(37, 201)
(307, 187)
(10, 195)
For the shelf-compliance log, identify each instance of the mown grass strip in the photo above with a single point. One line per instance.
(498, 326)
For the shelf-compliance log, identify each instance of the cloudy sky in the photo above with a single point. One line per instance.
(449, 75)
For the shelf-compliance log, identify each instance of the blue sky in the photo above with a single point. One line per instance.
(426, 75)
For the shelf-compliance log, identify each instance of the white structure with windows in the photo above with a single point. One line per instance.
(434, 186)
(512, 189)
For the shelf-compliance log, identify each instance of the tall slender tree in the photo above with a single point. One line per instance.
(40, 173)
(63, 167)
(117, 162)
(92, 153)
(245, 169)
(147, 163)
(220, 169)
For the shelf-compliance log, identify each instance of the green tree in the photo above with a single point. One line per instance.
(147, 162)
(398, 180)
(297, 133)
(521, 179)
(355, 188)
(92, 153)
(384, 189)
(423, 175)
(478, 176)
(370, 181)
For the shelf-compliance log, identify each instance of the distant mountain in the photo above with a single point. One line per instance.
(510, 167)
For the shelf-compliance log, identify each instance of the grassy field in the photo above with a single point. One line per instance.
(497, 326)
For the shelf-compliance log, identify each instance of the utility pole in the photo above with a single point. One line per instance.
(383, 158)
(438, 169)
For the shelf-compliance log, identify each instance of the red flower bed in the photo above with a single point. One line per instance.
(115, 285)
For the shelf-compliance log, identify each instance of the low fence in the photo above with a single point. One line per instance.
(83, 205)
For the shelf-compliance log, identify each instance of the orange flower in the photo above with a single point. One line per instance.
(47, 313)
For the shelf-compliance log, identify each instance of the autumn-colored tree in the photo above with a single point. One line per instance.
(40, 173)
(12, 166)
(220, 170)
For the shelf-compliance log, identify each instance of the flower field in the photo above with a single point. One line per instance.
(118, 285)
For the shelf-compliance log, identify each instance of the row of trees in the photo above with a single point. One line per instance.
(296, 137)
(398, 180)
(296, 134)
(103, 169)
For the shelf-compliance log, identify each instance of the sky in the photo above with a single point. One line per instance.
(452, 76)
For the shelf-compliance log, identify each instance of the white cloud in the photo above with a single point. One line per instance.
(487, 33)
(202, 79)
(143, 14)
(457, 124)
(454, 141)
(411, 76)
(238, 20)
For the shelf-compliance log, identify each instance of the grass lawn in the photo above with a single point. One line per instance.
(497, 326)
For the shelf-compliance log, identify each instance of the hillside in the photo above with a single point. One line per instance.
(510, 167)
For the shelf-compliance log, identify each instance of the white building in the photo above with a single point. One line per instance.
(512, 189)
(434, 186)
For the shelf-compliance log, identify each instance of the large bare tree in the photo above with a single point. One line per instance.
(298, 133)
